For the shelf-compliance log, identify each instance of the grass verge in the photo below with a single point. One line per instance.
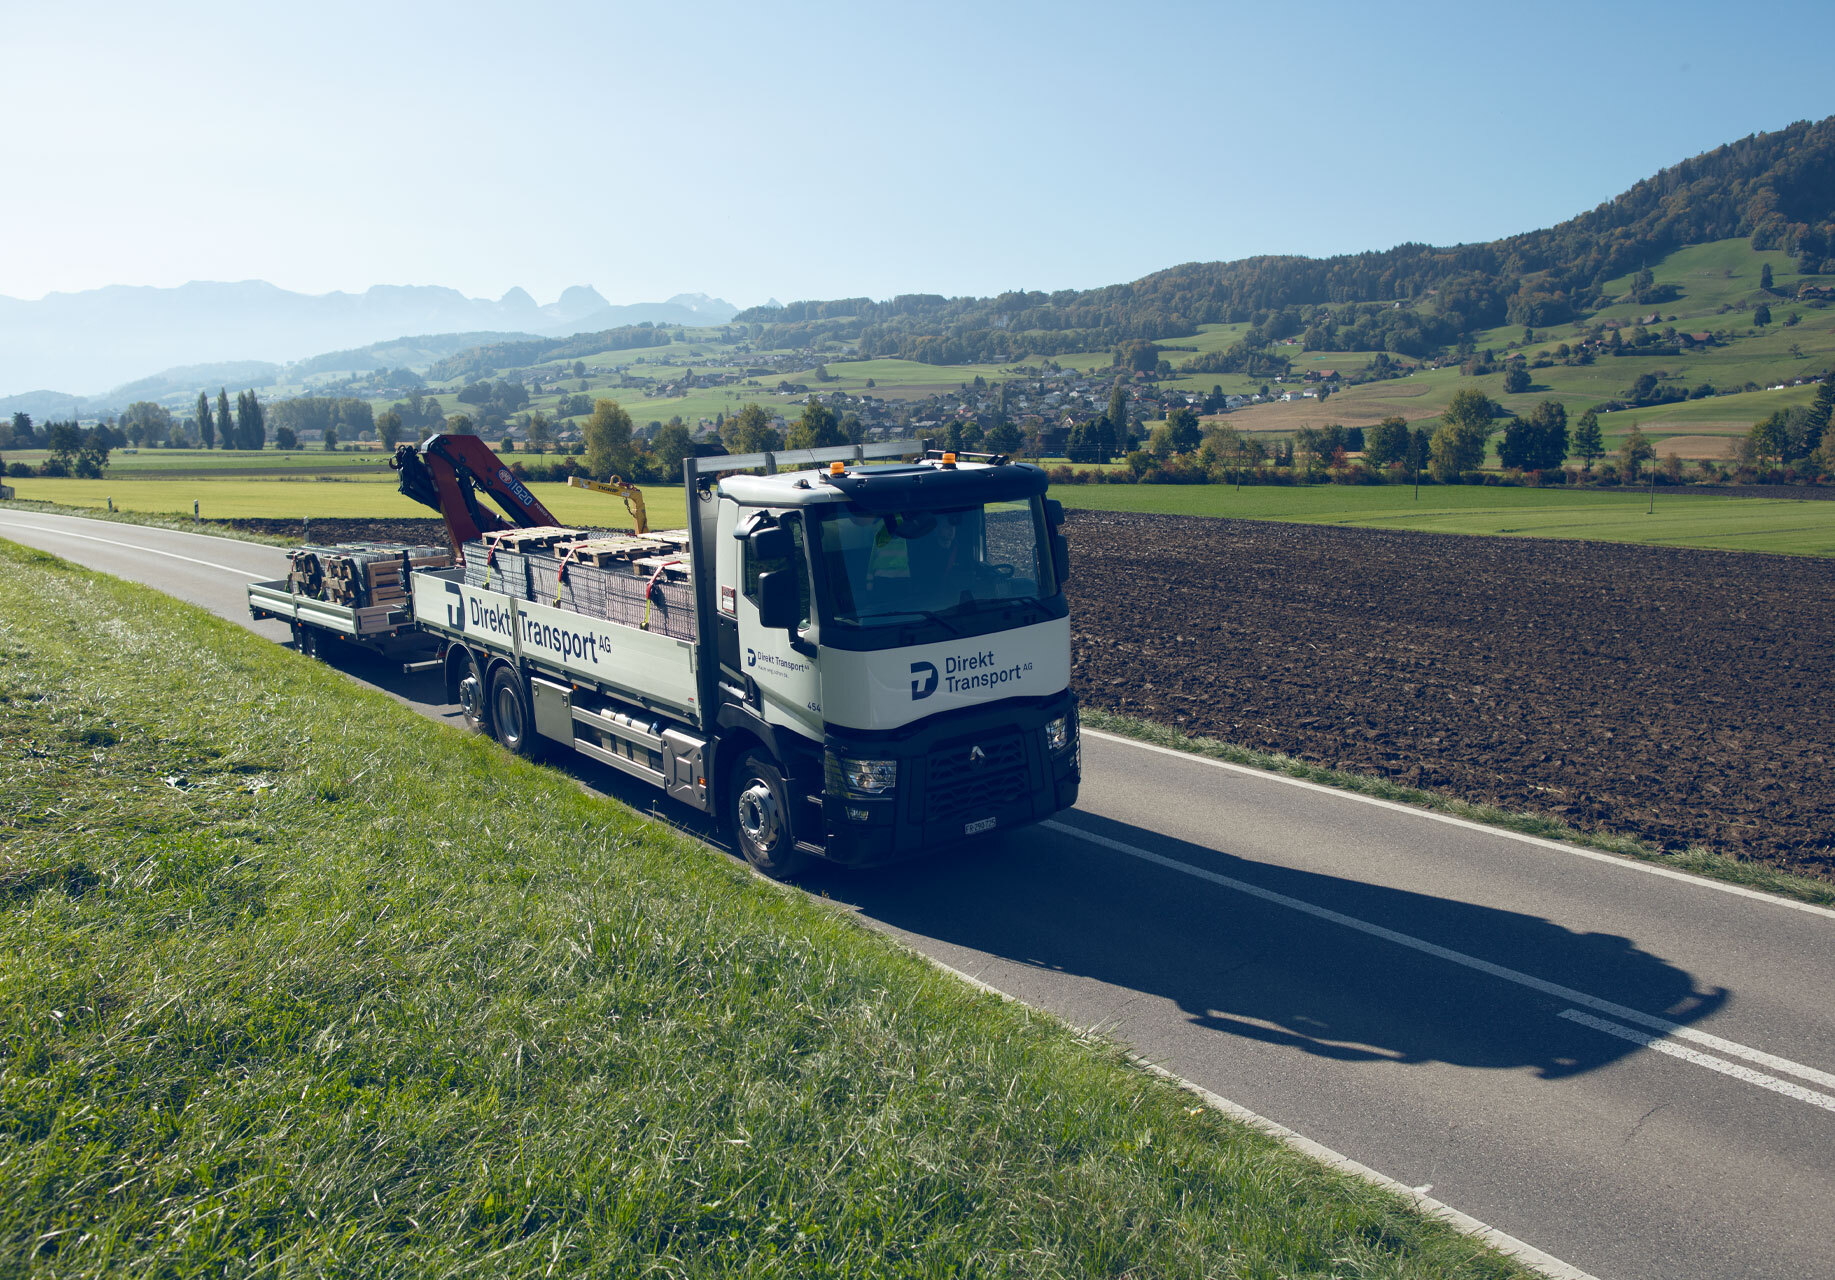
(152, 519)
(1696, 860)
(292, 980)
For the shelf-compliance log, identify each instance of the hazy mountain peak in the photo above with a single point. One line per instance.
(517, 298)
(577, 300)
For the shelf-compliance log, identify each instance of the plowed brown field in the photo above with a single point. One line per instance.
(1682, 696)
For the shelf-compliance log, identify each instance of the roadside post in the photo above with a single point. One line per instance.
(194, 511)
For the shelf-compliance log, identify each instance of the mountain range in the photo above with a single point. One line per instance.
(102, 337)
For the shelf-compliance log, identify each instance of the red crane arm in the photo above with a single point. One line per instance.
(447, 472)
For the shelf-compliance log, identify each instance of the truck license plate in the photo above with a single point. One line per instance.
(976, 828)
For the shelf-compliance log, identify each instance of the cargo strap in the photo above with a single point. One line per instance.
(652, 591)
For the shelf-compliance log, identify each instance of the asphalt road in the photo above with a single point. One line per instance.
(1632, 1072)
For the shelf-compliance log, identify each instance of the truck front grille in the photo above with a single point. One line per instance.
(974, 775)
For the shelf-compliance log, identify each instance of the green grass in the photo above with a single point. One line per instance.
(1695, 860)
(294, 981)
(1681, 520)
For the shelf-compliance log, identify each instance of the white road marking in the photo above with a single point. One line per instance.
(1629, 864)
(132, 546)
(1568, 994)
(1525, 1253)
(1700, 1059)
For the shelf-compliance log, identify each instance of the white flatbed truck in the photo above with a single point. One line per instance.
(879, 663)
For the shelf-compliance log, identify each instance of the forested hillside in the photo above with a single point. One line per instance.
(1778, 189)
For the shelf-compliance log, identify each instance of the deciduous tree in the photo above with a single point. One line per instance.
(1387, 442)
(1633, 452)
(818, 428)
(1183, 430)
(1589, 444)
(750, 431)
(1537, 441)
(608, 441)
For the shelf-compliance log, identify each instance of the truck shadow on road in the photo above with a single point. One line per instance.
(1131, 935)
(1119, 935)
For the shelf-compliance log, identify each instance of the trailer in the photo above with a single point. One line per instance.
(354, 594)
(838, 660)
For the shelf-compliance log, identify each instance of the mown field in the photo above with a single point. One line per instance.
(352, 496)
(293, 981)
(1680, 519)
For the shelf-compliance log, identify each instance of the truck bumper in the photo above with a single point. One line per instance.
(961, 776)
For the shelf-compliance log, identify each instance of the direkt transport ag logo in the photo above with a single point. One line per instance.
(963, 674)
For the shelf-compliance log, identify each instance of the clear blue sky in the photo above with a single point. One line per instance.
(795, 151)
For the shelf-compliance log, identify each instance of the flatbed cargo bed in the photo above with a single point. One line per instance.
(384, 629)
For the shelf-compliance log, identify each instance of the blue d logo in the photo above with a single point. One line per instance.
(923, 680)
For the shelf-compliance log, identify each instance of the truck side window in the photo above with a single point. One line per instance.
(797, 562)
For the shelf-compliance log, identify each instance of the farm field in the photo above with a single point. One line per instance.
(172, 463)
(1682, 519)
(370, 496)
(1675, 694)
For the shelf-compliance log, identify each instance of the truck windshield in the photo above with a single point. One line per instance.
(891, 569)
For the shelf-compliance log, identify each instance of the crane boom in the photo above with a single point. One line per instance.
(447, 472)
(632, 495)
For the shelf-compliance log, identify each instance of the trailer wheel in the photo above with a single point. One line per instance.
(758, 813)
(309, 642)
(471, 695)
(511, 720)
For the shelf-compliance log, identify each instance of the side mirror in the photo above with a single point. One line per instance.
(770, 544)
(1054, 513)
(779, 604)
(1060, 556)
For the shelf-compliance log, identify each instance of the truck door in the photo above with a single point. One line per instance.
(785, 679)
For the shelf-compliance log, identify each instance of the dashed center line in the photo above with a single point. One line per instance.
(1701, 1059)
(1662, 1026)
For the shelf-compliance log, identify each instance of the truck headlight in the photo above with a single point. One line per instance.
(1058, 734)
(861, 777)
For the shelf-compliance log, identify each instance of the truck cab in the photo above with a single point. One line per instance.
(889, 653)
(840, 657)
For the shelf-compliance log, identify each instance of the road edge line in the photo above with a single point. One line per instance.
(129, 546)
(1520, 1251)
(1557, 846)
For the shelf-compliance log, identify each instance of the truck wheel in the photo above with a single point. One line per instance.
(472, 697)
(758, 812)
(511, 720)
(309, 642)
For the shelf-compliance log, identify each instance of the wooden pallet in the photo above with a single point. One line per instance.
(540, 537)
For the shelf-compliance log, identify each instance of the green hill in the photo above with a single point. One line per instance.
(1775, 189)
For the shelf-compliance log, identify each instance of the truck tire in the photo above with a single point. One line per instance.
(758, 813)
(512, 719)
(309, 641)
(473, 697)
